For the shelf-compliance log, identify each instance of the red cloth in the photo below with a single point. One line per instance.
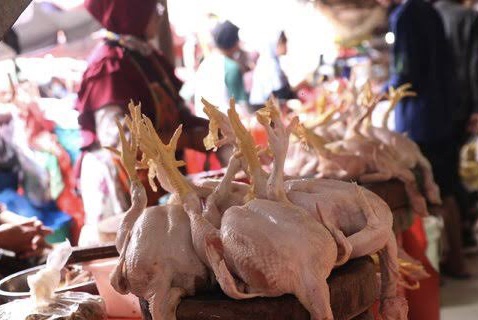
(68, 201)
(122, 16)
(195, 161)
(113, 78)
(40, 137)
(423, 303)
(36, 124)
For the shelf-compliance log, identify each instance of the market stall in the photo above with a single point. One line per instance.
(305, 207)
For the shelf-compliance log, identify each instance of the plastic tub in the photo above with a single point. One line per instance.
(433, 228)
(117, 305)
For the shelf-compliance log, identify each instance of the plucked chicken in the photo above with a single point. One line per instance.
(246, 241)
(249, 261)
(157, 258)
(409, 154)
(360, 214)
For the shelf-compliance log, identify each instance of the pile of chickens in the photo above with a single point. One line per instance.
(273, 236)
(343, 144)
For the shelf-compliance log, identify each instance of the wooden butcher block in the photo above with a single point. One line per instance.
(393, 193)
(353, 290)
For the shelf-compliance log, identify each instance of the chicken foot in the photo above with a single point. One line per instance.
(128, 158)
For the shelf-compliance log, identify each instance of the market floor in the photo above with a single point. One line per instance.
(459, 299)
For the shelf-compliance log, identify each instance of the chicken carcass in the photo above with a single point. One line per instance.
(380, 158)
(301, 161)
(408, 152)
(335, 165)
(365, 220)
(369, 155)
(304, 160)
(246, 244)
(360, 214)
(249, 261)
(157, 258)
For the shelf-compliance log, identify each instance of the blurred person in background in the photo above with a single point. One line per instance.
(461, 29)
(125, 67)
(25, 237)
(421, 56)
(219, 76)
(268, 78)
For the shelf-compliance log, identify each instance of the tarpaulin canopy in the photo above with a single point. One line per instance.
(10, 10)
(43, 22)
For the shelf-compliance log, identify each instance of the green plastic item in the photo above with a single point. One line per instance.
(60, 234)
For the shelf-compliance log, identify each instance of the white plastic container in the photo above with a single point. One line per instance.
(433, 228)
(117, 305)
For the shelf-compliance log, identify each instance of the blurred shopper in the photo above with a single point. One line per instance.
(268, 78)
(461, 29)
(25, 237)
(219, 76)
(421, 56)
(125, 67)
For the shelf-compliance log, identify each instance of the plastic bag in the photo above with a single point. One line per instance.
(44, 282)
(469, 164)
(44, 304)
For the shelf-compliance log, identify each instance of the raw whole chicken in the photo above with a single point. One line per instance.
(246, 244)
(379, 159)
(157, 258)
(301, 161)
(358, 213)
(409, 155)
(249, 261)
(365, 153)
(362, 216)
(335, 165)
(160, 261)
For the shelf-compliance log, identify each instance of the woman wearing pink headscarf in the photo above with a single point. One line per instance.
(125, 67)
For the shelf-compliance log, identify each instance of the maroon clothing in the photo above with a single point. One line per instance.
(122, 16)
(125, 68)
(117, 74)
(115, 77)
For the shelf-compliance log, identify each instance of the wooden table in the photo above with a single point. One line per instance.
(353, 291)
(393, 193)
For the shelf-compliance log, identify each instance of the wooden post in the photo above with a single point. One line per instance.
(10, 10)
(165, 36)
